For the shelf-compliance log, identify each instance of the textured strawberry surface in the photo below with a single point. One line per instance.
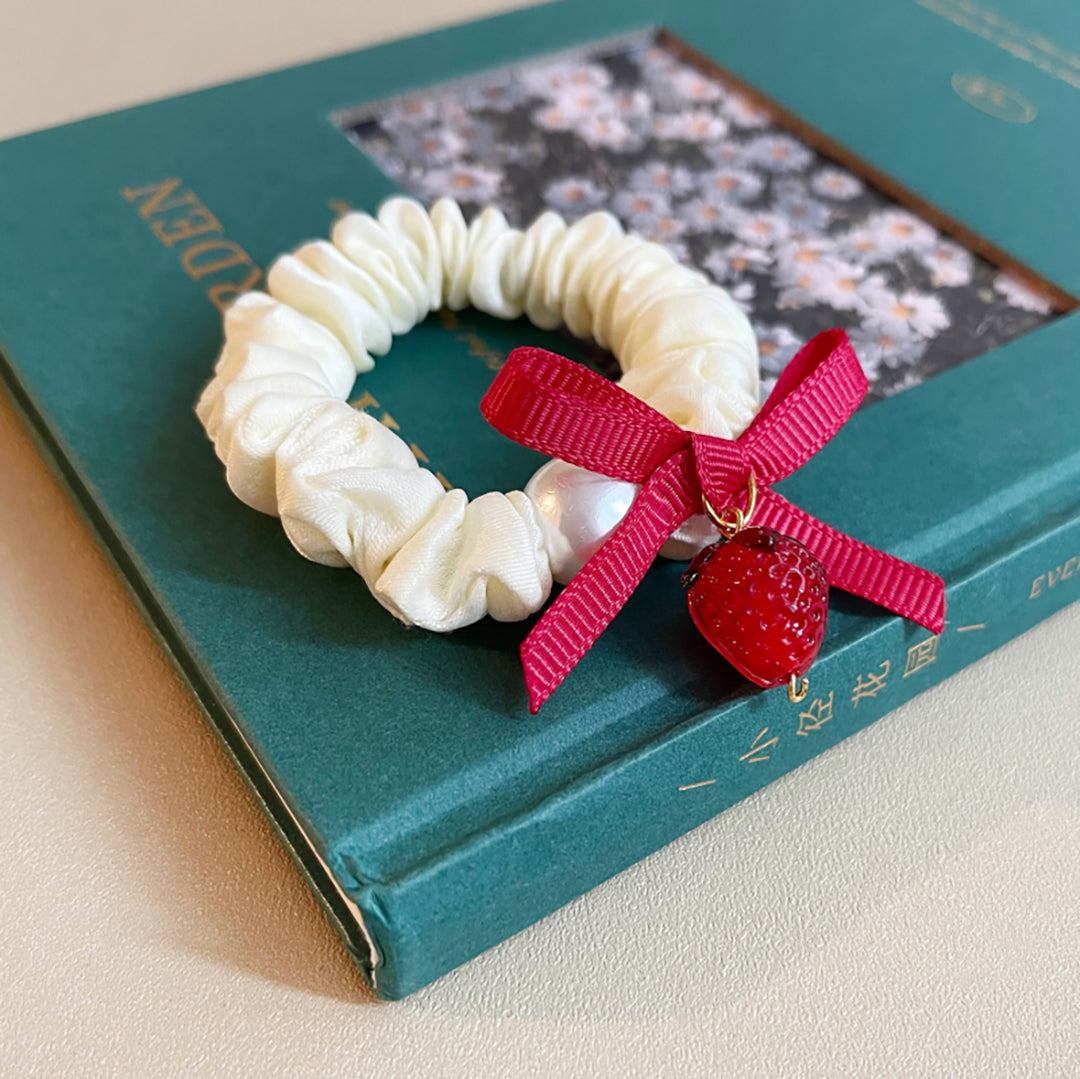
(762, 600)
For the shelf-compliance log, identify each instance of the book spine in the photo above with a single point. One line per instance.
(430, 921)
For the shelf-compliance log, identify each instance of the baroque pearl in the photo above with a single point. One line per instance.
(583, 508)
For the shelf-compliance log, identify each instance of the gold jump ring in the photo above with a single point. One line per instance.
(731, 519)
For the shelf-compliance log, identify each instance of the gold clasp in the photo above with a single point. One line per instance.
(797, 692)
(731, 519)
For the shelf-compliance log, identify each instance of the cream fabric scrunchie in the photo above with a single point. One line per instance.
(349, 491)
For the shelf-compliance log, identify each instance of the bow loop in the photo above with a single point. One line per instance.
(817, 393)
(560, 408)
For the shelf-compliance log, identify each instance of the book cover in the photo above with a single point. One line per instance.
(430, 812)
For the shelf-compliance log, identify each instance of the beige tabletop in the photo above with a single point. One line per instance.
(906, 905)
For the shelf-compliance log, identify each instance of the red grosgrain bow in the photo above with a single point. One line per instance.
(564, 410)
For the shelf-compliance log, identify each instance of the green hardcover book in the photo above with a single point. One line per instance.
(901, 169)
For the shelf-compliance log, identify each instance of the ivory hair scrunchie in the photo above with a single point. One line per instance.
(349, 491)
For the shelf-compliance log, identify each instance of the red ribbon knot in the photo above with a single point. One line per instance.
(565, 410)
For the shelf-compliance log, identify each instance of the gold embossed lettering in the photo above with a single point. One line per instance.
(759, 748)
(196, 220)
(151, 198)
(921, 655)
(365, 400)
(816, 715)
(212, 256)
(176, 215)
(871, 685)
(1037, 586)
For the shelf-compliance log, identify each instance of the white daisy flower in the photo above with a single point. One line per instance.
(663, 228)
(742, 112)
(692, 85)
(777, 346)
(658, 61)
(830, 282)
(439, 145)
(706, 215)
(703, 216)
(877, 348)
(899, 315)
(639, 208)
(836, 184)
(804, 213)
(761, 228)
(410, 112)
(479, 138)
(862, 245)
(690, 125)
(661, 176)
(731, 184)
(607, 130)
(898, 231)
(631, 103)
(950, 265)
(1019, 295)
(553, 117)
(726, 153)
(728, 263)
(552, 80)
(579, 102)
(793, 258)
(378, 146)
(466, 183)
(838, 287)
(574, 195)
(779, 153)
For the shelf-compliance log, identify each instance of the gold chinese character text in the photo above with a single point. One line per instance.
(758, 751)
(871, 685)
(921, 655)
(817, 715)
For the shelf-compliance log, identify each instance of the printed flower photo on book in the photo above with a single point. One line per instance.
(801, 242)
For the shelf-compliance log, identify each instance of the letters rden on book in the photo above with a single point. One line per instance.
(177, 216)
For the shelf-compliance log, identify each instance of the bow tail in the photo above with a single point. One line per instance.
(597, 593)
(858, 568)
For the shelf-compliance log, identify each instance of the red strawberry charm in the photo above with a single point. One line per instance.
(761, 599)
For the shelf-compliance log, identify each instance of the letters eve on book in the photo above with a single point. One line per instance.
(423, 808)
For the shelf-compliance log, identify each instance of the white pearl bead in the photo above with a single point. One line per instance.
(584, 508)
